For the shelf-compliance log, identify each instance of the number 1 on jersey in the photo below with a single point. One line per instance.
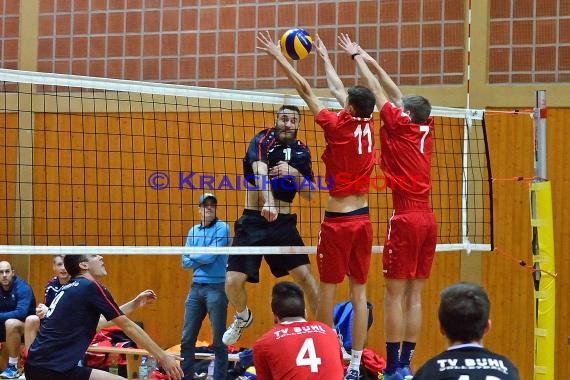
(359, 133)
(308, 356)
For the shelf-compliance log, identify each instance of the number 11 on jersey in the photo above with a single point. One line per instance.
(359, 133)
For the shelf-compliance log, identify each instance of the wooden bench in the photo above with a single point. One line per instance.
(133, 356)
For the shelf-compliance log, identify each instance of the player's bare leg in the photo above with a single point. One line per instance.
(413, 310)
(303, 276)
(359, 327)
(360, 319)
(235, 290)
(326, 303)
(395, 290)
(237, 296)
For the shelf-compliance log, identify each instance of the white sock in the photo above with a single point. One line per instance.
(244, 314)
(13, 361)
(355, 360)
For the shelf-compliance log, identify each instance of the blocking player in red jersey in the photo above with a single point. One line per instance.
(296, 348)
(345, 237)
(409, 249)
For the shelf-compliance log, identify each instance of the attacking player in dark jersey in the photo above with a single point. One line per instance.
(71, 322)
(277, 165)
(464, 320)
(409, 249)
(296, 348)
(345, 237)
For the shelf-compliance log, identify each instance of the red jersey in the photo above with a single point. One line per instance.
(298, 350)
(349, 154)
(405, 153)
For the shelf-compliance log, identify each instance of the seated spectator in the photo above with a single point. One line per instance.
(61, 278)
(464, 320)
(16, 303)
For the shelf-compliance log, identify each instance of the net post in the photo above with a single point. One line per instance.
(542, 250)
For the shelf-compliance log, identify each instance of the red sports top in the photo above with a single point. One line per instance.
(405, 153)
(349, 154)
(298, 350)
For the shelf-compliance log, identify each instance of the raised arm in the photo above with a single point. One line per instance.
(143, 298)
(392, 90)
(333, 81)
(267, 45)
(371, 81)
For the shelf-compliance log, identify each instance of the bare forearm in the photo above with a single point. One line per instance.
(334, 83)
(261, 170)
(371, 80)
(392, 90)
(141, 338)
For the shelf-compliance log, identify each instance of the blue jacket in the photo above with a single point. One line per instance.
(17, 302)
(208, 268)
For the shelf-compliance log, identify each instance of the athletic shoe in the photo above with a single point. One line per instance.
(233, 333)
(392, 376)
(11, 372)
(22, 377)
(406, 373)
(352, 374)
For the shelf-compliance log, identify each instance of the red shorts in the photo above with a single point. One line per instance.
(344, 248)
(410, 244)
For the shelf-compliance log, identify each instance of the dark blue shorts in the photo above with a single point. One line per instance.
(76, 373)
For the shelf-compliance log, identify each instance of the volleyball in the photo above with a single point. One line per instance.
(250, 373)
(296, 44)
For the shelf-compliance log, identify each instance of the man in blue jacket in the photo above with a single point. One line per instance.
(207, 294)
(16, 303)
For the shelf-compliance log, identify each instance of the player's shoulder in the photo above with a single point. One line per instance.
(300, 145)
(52, 282)
(266, 133)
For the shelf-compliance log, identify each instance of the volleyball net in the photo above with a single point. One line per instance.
(118, 166)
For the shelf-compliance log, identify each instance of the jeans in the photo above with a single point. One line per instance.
(202, 299)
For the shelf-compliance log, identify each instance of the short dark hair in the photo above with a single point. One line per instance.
(287, 300)
(71, 263)
(289, 107)
(362, 99)
(464, 312)
(419, 107)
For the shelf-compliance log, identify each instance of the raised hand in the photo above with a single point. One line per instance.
(320, 47)
(266, 44)
(144, 297)
(347, 45)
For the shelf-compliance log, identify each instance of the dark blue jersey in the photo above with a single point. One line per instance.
(51, 289)
(17, 302)
(70, 324)
(265, 147)
(468, 361)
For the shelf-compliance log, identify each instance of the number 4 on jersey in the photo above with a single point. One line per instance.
(308, 356)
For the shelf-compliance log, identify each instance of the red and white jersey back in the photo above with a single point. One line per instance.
(298, 350)
(349, 154)
(405, 153)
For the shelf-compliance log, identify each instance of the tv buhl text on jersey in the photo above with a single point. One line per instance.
(199, 181)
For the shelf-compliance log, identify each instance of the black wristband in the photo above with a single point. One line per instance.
(354, 55)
